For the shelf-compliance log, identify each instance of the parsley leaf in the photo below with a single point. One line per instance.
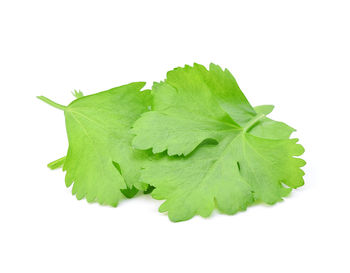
(101, 161)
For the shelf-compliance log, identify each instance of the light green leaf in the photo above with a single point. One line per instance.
(189, 107)
(229, 176)
(195, 104)
(78, 94)
(253, 159)
(98, 129)
(268, 128)
(264, 109)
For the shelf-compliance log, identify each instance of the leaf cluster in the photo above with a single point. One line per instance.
(194, 141)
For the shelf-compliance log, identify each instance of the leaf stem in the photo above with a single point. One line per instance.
(52, 103)
(252, 122)
(57, 163)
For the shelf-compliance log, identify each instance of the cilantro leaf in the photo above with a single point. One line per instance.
(129, 192)
(195, 104)
(269, 128)
(230, 176)
(99, 140)
(253, 160)
(223, 153)
(184, 114)
(78, 94)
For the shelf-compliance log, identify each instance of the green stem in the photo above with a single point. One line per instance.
(252, 122)
(57, 163)
(52, 103)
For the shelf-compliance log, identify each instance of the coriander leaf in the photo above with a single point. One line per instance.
(178, 127)
(185, 112)
(222, 85)
(195, 104)
(130, 192)
(253, 159)
(77, 94)
(269, 128)
(149, 189)
(230, 176)
(99, 139)
(264, 109)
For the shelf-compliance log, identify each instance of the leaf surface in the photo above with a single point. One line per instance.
(231, 175)
(101, 161)
(194, 104)
(254, 159)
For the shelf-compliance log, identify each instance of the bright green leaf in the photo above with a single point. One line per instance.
(195, 104)
(78, 94)
(189, 108)
(231, 175)
(98, 129)
(130, 192)
(253, 160)
(268, 128)
(264, 109)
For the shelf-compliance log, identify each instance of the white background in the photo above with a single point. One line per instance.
(293, 54)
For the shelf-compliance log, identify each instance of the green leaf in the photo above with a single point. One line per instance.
(264, 109)
(195, 104)
(253, 160)
(186, 110)
(223, 87)
(98, 129)
(229, 176)
(224, 153)
(268, 128)
(77, 94)
(130, 192)
(149, 189)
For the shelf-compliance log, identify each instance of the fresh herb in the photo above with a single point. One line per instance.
(100, 160)
(195, 141)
